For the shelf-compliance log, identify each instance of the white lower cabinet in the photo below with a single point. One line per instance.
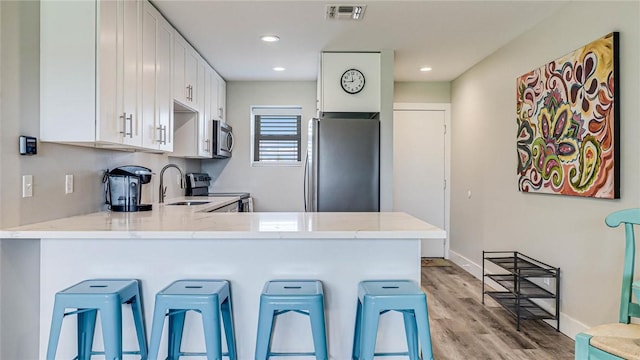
(94, 88)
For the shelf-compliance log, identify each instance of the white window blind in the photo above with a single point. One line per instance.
(277, 135)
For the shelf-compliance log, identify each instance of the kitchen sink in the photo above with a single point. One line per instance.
(189, 203)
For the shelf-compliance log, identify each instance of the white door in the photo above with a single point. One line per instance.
(419, 170)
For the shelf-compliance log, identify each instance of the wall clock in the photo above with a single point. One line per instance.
(352, 81)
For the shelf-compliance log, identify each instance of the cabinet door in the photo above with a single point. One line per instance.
(180, 90)
(110, 118)
(148, 113)
(164, 99)
(204, 127)
(132, 134)
(191, 76)
(156, 111)
(213, 95)
(220, 96)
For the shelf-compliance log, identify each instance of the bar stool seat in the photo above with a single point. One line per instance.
(90, 297)
(378, 297)
(210, 298)
(301, 296)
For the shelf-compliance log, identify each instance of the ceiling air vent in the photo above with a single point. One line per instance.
(345, 12)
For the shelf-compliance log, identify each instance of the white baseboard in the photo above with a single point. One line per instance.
(568, 325)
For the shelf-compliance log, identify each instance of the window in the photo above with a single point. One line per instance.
(277, 135)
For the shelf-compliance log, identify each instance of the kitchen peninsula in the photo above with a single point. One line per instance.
(248, 249)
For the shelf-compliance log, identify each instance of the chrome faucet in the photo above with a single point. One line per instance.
(163, 189)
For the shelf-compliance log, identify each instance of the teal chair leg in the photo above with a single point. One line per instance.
(356, 336)
(54, 333)
(316, 314)
(265, 329)
(86, 330)
(136, 310)
(369, 329)
(411, 330)
(112, 330)
(212, 335)
(422, 319)
(176, 329)
(229, 332)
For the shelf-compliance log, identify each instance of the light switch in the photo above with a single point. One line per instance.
(27, 186)
(68, 184)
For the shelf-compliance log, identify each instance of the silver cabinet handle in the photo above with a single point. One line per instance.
(220, 112)
(207, 148)
(124, 124)
(126, 118)
(164, 134)
(130, 119)
(187, 94)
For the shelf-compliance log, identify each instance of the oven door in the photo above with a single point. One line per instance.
(222, 140)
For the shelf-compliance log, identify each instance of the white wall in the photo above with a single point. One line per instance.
(564, 231)
(274, 188)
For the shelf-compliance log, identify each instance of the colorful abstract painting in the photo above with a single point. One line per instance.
(568, 121)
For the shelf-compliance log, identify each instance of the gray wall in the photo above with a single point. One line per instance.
(274, 188)
(564, 231)
(422, 92)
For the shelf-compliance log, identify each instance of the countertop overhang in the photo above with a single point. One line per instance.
(193, 222)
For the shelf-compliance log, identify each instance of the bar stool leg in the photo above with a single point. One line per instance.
(86, 329)
(356, 336)
(212, 336)
(176, 328)
(318, 330)
(111, 317)
(56, 327)
(159, 314)
(229, 331)
(265, 326)
(422, 318)
(136, 310)
(369, 331)
(411, 331)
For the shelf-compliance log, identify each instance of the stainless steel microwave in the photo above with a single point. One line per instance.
(222, 140)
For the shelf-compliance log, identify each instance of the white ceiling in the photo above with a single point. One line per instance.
(449, 36)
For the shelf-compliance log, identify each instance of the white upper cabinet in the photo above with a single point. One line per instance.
(204, 115)
(349, 82)
(94, 89)
(157, 99)
(185, 70)
(193, 133)
(221, 104)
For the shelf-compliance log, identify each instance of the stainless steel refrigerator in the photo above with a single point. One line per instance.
(342, 170)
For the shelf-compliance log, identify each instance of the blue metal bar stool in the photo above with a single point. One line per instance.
(209, 298)
(301, 296)
(378, 297)
(107, 297)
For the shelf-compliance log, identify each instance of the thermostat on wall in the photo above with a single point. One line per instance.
(28, 145)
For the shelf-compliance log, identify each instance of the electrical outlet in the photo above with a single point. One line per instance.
(27, 186)
(68, 184)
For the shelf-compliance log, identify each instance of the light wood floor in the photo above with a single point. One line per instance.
(462, 328)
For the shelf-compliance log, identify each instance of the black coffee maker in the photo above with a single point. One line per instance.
(124, 187)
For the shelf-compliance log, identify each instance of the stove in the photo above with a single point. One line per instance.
(198, 185)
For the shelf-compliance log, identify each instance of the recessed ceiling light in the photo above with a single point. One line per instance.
(425, 69)
(270, 38)
(279, 68)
